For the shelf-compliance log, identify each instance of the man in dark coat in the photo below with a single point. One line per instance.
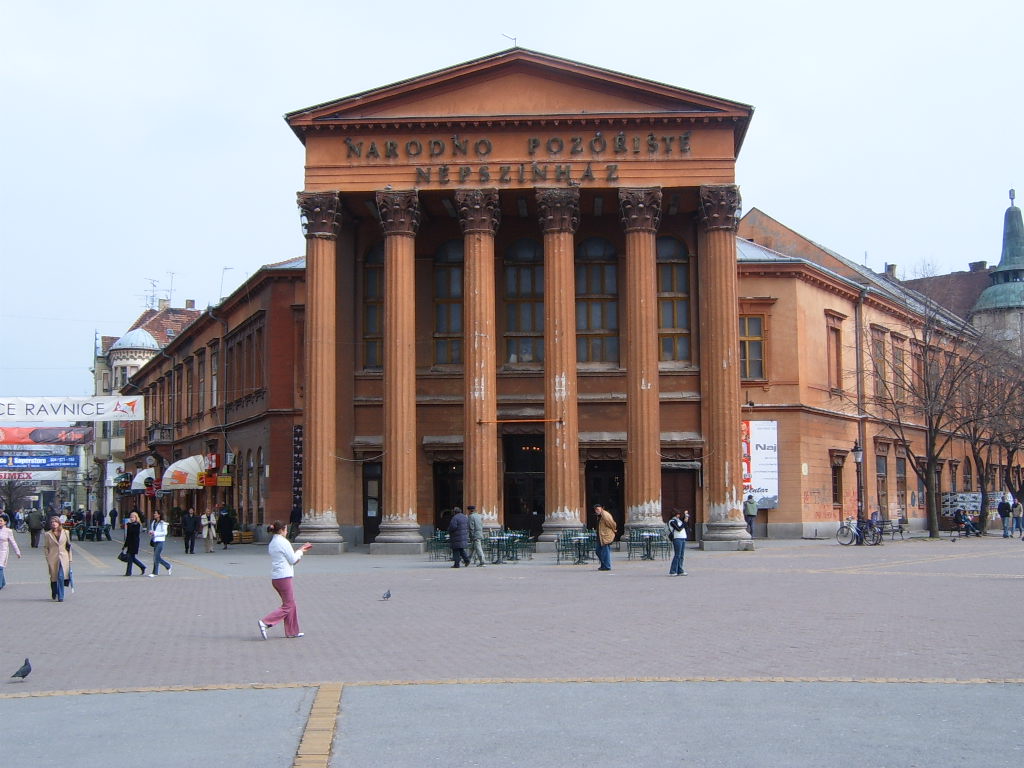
(225, 526)
(189, 528)
(35, 526)
(458, 533)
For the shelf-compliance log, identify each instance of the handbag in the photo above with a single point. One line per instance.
(122, 556)
(152, 543)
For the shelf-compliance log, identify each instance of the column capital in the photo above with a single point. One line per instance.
(479, 210)
(399, 212)
(319, 214)
(720, 206)
(640, 208)
(559, 209)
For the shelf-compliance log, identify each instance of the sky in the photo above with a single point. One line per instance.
(143, 153)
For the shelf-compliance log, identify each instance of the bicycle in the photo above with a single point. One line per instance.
(860, 531)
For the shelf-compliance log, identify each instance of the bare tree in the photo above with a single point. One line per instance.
(14, 494)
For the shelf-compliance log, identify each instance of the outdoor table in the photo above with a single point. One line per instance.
(499, 547)
(649, 538)
(581, 550)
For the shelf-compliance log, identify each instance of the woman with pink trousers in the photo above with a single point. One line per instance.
(282, 568)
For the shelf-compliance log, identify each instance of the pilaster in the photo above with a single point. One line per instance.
(720, 370)
(479, 216)
(559, 218)
(641, 214)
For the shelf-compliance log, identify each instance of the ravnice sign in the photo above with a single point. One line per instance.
(71, 409)
(555, 158)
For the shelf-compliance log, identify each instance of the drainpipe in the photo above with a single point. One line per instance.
(861, 432)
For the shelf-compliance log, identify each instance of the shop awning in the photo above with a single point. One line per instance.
(139, 481)
(184, 474)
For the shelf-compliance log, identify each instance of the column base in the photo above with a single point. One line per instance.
(321, 530)
(379, 547)
(727, 546)
(399, 533)
(726, 531)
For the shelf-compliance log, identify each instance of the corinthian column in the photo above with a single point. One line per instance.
(400, 218)
(719, 369)
(641, 215)
(479, 215)
(559, 217)
(319, 212)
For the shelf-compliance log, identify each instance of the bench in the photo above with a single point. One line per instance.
(892, 527)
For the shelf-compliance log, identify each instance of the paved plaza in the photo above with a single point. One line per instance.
(800, 653)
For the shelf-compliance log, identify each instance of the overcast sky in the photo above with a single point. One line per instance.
(143, 139)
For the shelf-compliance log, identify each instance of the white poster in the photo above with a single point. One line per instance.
(760, 442)
(71, 409)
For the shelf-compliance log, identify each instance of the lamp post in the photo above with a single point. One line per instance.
(858, 462)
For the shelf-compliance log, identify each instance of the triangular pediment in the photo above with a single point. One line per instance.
(518, 85)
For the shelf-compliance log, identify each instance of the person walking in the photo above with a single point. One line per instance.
(7, 541)
(157, 537)
(35, 527)
(57, 549)
(132, 538)
(113, 519)
(750, 513)
(1017, 517)
(209, 523)
(225, 526)
(476, 536)
(677, 533)
(1005, 510)
(606, 529)
(189, 529)
(283, 558)
(458, 535)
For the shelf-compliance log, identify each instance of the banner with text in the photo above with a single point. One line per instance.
(46, 435)
(71, 409)
(760, 442)
(41, 461)
(29, 476)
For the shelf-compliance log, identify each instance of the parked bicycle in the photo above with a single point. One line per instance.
(859, 531)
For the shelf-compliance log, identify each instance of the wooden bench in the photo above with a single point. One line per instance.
(891, 527)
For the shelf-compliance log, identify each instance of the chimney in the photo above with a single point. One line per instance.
(890, 271)
(190, 304)
(978, 266)
(162, 304)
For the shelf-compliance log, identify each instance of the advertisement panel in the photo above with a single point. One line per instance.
(760, 443)
(29, 476)
(71, 409)
(40, 461)
(46, 435)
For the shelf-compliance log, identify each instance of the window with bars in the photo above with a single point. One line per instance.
(673, 266)
(752, 347)
(373, 308)
(882, 484)
(448, 268)
(524, 302)
(597, 302)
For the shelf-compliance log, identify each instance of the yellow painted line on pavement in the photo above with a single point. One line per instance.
(188, 564)
(508, 681)
(77, 550)
(318, 737)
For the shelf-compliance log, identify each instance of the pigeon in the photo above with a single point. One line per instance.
(23, 672)
(385, 596)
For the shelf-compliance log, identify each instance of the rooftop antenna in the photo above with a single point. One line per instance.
(170, 291)
(220, 293)
(514, 44)
(1013, 196)
(151, 299)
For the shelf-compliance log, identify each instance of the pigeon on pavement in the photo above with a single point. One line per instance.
(23, 672)
(385, 596)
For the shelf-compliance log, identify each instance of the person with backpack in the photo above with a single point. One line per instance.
(677, 534)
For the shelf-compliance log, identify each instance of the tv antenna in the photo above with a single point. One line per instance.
(514, 44)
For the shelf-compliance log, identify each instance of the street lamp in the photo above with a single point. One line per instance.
(858, 462)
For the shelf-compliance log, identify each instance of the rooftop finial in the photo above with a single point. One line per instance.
(1013, 195)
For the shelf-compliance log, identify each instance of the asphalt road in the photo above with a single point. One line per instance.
(798, 653)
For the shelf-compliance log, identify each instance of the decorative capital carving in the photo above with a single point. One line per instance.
(479, 210)
(399, 212)
(720, 206)
(559, 209)
(640, 209)
(319, 214)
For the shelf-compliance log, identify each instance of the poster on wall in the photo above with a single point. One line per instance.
(760, 443)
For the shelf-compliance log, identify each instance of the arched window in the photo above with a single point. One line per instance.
(373, 307)
(448, 304)
(597, 302)
(524, 302)
(673, 299)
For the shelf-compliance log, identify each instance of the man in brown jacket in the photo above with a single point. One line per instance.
(605, 536)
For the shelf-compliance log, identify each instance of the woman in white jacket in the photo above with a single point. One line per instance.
(209, 534)
(282, 568)
(158, 535)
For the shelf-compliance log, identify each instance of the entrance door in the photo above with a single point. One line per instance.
(447, 491)
(605, 483)
(372, 500)
(679, 491)
(524, 482)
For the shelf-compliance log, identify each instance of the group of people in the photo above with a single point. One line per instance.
(1011, 513)
(466, 532)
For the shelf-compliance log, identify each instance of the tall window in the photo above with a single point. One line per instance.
(752, 347)
(968, 480)
(524, 302)
(882, 484)
(597, 302)
(878, 361)
(834, 349)
(448, 304)
(189, 389)
(201, 380)
(837, 460)
(673, 299)
(901, 485)
(373, 308)
(214, 363)
(899, 370)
